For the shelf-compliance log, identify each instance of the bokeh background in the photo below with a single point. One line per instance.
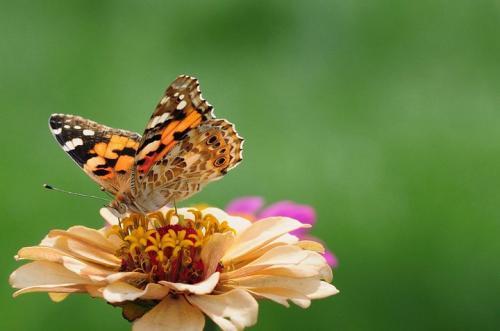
(383, 115)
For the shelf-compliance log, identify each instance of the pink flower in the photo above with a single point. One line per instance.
(251, 207)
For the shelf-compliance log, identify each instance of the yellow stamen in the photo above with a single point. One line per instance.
(138, 239)
(154, 234)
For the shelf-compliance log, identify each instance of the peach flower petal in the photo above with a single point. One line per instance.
(291, 271)
(203, 287)
(71, 288)
(214, 249)
(49, 241)
(121, 291)
(324, 290)
(58, 297)
(309, 287)
(319, 263)
(279, 255)
(40, 253)
(311, 246)
(92, 254)
(125, 275)
(237, 223)
(171, 314)
(259, 234)
(281, 299)
(94, 291)
(231, 311)
(282, 295)
(284, 240)
(41, 273)
(87, 236)
(86, 269)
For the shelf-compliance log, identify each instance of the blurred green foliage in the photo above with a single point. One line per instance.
(384, 115)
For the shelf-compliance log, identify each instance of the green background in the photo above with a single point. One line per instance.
(383, 115)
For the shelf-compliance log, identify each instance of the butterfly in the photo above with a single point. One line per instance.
(183, 148)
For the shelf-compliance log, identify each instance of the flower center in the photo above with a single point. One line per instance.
(157, 245)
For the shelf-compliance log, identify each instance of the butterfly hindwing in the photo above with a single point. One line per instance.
(104, 153)
(184, 147)
(205, 154)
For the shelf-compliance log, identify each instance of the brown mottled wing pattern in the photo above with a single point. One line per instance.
(183, 148)
(206, 154)
(104, 153)
(181, 109)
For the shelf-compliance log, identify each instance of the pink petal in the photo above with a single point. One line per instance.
(331, 259)
(303, 213)
(245, 206)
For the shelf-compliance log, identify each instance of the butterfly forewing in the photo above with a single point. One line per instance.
(104, 153)
(181, 109)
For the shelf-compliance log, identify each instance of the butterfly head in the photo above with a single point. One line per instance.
(124, 203)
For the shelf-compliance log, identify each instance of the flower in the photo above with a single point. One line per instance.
(167, 270)
(251, 207)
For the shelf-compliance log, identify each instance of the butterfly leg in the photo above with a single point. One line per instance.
(175, 208)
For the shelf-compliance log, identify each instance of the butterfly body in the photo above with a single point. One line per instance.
(183, 148)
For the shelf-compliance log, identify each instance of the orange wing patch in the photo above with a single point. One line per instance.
(181, 109)
(115, 156)
(124, 163)
(156, 150)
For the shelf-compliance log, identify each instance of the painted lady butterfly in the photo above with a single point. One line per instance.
(183, 148)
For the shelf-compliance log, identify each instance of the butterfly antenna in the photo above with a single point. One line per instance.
(50, 187)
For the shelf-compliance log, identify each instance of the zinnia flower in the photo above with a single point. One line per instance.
(252, 208)
(166, 271)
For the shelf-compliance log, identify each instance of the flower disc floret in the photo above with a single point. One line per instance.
(166, 246)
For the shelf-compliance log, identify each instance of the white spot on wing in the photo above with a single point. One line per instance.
(67, 126)
(181, 105)
(153, 122)
(77, 127)
(157, 120)
(163, 117)
(88, 132)
(69, 146)
(77, 142)
(57, 131)
(148, 148)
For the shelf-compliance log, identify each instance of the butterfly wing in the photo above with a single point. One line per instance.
(181, 109)
(206, 154)
(104, 153)
(183, 148)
